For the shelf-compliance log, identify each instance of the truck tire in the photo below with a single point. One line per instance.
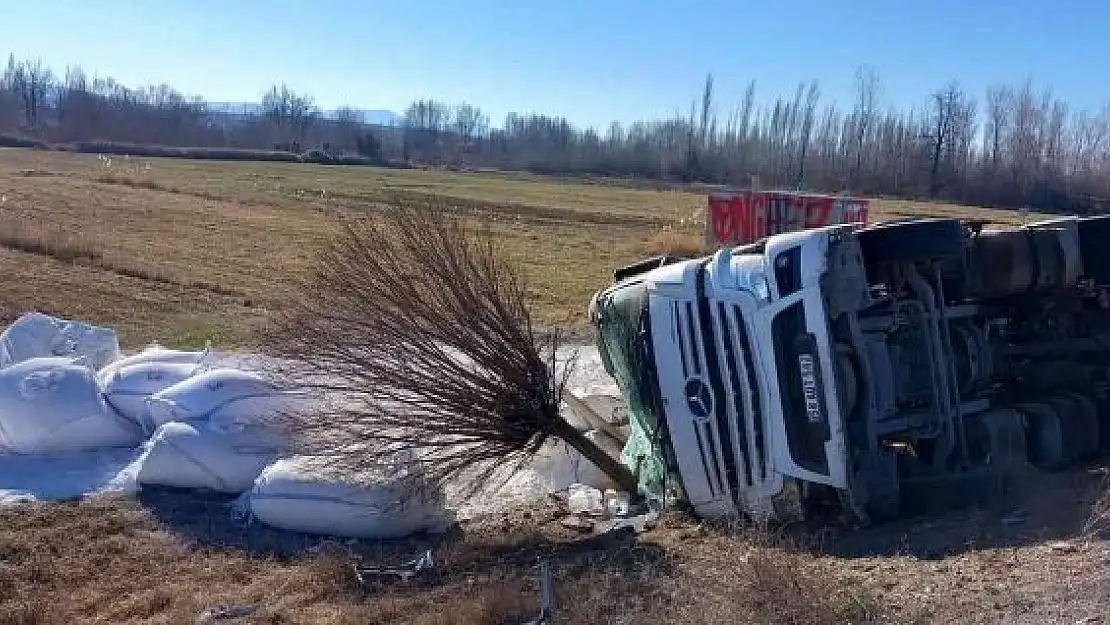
(1083, 420)
(1045, 436)
(1094, 233)
(911, 241)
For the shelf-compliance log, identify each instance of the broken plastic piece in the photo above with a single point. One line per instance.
(582, 499)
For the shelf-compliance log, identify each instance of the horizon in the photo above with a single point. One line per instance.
(622, 62)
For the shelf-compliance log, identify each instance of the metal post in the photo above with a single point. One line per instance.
(547, 593)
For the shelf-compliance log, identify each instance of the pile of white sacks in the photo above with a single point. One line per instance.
(203, 424)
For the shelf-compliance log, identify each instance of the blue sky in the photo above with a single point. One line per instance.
(589, 61)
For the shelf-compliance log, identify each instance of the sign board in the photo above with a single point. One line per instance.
(736, 217)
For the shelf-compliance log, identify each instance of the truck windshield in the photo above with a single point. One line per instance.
(624, 342)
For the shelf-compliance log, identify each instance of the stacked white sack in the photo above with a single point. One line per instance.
(225, 396)
(215, 430)
(294, 495)
(53, 405)
(194, 455)
(128, 389)
(35, 335)
(154, 354)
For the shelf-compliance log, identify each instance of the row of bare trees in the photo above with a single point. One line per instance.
(1018, 145)
(74, 107)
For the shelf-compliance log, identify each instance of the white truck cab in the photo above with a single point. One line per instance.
(744, 363)
(853, 368)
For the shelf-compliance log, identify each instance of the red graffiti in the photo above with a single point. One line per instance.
(743, 217)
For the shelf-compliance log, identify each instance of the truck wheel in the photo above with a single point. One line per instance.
(912, 241)
(1083, 420)
(1094, 232)
(1005, 440)
(1045, 436)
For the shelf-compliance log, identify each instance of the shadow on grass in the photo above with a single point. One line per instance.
(1040, 508)
(208, 521)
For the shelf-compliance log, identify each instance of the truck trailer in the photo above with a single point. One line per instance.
(848, 368)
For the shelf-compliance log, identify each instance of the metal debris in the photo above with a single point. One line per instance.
(225, 612)
(639, 523)
(406, 572)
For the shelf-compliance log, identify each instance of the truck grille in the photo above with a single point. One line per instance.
(747, 427)
(686, 325)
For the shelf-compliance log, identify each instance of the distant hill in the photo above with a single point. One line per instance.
(380, 117)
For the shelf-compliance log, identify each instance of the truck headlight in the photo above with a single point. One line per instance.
(751, 276)
(758, 284)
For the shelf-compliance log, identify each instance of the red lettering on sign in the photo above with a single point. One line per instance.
(724, 223)
(817, 212)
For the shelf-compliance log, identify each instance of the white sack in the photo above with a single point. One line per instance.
(35, 335)
(289, 495)
(127, 389)
(52, 405)
(189, 455)
(153, 354)
(204, 394)
(560, 465)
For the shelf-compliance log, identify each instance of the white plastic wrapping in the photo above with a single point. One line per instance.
(35, 335)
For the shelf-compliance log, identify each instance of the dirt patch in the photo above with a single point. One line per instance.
(168, 555)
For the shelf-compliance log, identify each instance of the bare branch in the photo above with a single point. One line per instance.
(420, 336)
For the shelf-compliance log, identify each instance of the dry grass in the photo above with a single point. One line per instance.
(20, 233)
(228, 235)
(677, 244)
(168, 558)
(112, 561)
(133, 182)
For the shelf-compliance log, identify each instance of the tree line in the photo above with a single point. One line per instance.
(1018, 145)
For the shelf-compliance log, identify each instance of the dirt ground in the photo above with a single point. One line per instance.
(167, 556)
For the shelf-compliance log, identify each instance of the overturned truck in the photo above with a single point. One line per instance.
(855, 368)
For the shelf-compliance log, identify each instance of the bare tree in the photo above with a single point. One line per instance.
(348, 125)
(293, 114)
(950, 114)
(999, 114)
(867, 106)
(425, 333)
(470, 123)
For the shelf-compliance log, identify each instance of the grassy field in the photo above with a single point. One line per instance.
(182, 251)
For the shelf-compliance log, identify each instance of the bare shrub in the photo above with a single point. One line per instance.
(425, 332)
(1098, 520)
(135, 183)
(785, 585)
(46, 239)
(677, 244)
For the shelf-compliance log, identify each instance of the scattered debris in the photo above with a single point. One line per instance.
(225, 612)
(1063, 546)
(639, 523)
(547, 596)
(576, 522)
(582, 499)
(406, 572)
